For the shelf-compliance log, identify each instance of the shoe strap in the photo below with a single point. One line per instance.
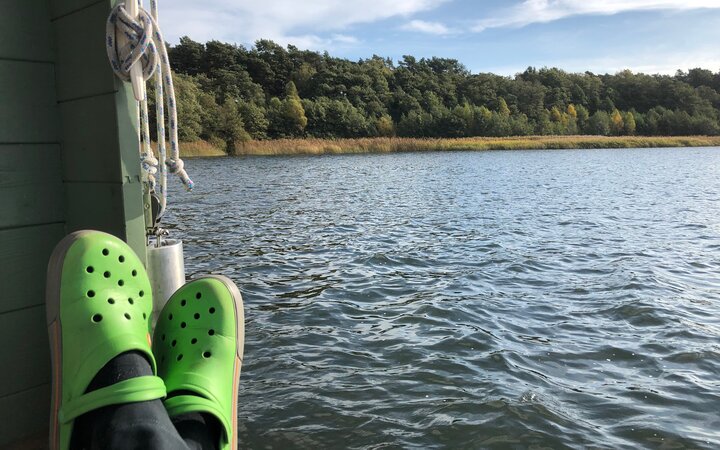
(138, 389)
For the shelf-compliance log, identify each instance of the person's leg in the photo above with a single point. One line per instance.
(105, 392)
(139, 425)
(199, 431)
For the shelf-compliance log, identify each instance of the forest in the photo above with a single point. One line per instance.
(227, 94)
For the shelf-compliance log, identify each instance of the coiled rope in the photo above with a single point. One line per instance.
(146, 46)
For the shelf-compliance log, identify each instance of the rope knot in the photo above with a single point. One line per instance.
(139, 46)
(175, 165)
(149, 163)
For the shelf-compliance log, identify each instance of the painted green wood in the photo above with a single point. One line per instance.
(28, 109)
(28, 352)
(90, 149)
(95, 206)
(60, 8)
(100, 154)
(115, 210)
(78, 35)
(26, 413)
(127, 126)
(135, 218)
(30, 195)
(27, 34)
(24, 255)
(30, 185)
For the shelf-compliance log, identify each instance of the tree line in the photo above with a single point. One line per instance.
(229, 93)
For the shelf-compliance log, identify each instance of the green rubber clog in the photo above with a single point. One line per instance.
(98, 305)
(198, 342)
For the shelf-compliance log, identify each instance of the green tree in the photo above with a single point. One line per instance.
(293, 112)
(583, 117)
(629, 124)
(385, 126)
(617, 126)
(230, 123)
(254, 119)
(599, 123)
(503, 109)
(189, 110)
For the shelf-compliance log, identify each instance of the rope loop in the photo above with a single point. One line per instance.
(177, 166)
(146, 46)
(140, 45)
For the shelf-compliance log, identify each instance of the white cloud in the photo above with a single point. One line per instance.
(305, 24)
(426, 27)
(540, 11)
(706, 58)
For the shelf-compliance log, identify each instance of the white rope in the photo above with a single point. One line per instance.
(146, 46)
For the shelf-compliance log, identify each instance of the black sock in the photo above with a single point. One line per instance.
(122, 367)
(139, 425)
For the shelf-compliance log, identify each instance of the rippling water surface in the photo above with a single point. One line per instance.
(540, 299)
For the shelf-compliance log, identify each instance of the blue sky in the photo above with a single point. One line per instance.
(501, 36)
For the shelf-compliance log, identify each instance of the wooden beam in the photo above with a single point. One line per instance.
(30, 185)
(78, 35)
(27, 34)
(24, 258)
(24, 414)
(28, 108)
(26, 351)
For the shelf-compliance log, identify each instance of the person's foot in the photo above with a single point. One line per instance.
(198, 342)
(98, 304)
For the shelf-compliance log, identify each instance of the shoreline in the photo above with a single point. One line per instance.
(288, 147)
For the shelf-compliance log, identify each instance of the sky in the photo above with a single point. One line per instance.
(499, 36)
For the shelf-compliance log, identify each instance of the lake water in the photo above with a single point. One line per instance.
(504, 299)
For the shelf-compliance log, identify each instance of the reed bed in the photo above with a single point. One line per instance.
(195, 149)
(389, 145)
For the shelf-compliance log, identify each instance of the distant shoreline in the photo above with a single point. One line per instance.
(285, 147)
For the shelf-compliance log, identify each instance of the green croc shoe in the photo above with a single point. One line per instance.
(98, 305)
(198, 343)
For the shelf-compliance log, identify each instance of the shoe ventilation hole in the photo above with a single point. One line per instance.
(90, 269)
(121, 283)
(141, 293)
(211, 310)
(162, 338)
(144, 316)
(173, 343)
(211, 332)
(196, 316)
(91, 294)
(106, 274)
(183, 303)
(183, 325)
(170, 317)
(97, 318)
(121, 258)
(198, 295)
(179, 357)
(131, 301)
(193, 341)
(134, 273)
(105, 252)
(207, 354)
(127, 316)
(111, 301)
